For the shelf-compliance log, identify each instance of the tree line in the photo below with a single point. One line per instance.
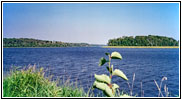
(150, 40)
(28, 42)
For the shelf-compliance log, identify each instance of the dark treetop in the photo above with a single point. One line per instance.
(27, 42)
(149, 40)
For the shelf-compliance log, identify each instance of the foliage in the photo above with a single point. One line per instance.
(27, 42)
(150, 40)
(68, 90)
(103, 82)
(140, 46)
(32, 83)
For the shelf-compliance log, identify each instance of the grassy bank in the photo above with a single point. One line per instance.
(32, 83)
(140, 46)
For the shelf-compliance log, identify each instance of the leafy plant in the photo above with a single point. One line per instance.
(103, 82)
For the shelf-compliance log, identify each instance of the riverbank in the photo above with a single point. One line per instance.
(31, 82)
(43, 47)
(140, 46)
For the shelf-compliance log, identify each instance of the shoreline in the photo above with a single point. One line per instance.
(140, 46)
(37, 47)
(107, 47)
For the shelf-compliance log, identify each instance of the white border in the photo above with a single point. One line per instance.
(92, 2)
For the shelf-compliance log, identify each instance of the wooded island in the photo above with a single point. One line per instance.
(150, 40)
(27, 42)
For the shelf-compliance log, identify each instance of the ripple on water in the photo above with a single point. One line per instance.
(82, 63)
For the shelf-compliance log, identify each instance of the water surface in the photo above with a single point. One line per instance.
(81, 63)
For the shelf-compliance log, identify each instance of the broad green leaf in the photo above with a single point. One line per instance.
(114, 86)
(107, 53)
(102, 61)
(99, 85)
(116, 55)
(103, 78)
(104, 87)
(119, 73)
(108, 92)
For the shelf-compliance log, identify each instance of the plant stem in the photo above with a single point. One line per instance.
(109, 61)
(109, 65)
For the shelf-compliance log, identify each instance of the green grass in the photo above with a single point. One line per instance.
(32, 83)
(140, 46)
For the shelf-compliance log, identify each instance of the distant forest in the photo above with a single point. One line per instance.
(27, 42)
(150, 40)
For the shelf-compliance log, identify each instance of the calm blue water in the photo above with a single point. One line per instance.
(80, 63)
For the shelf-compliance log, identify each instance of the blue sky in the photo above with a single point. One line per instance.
(89, 22)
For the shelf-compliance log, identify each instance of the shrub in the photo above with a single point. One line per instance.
(103, 82)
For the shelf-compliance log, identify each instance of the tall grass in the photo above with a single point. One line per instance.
(33, 83)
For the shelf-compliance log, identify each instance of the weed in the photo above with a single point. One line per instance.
(103, 82)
